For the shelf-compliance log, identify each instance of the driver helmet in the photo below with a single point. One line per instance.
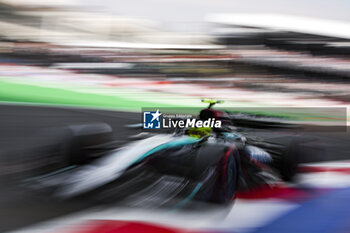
(199, 132)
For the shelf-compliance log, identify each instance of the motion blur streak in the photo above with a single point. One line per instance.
(125, 227)
(77, 76)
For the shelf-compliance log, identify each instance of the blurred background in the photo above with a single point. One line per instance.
(174, 52)
(73, 61)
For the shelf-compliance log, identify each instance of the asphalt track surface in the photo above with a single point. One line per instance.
(19, 122)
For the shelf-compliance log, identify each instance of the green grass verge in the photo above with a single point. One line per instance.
(24, 93)
(27, 93)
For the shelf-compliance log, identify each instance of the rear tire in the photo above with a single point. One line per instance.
(73, 144)
(84, 138)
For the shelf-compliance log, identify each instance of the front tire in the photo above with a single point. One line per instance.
(226, 184)
(289, 161)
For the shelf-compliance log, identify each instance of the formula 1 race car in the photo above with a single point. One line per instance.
(199, 164)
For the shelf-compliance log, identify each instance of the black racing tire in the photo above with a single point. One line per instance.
(54, 148)
(73, 143)
(222, 185)
(290, 160)
(83, 138)
(227, 180)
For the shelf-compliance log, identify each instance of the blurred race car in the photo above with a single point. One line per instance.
(200, 164)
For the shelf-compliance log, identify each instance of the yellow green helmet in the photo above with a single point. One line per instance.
(199, 132)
